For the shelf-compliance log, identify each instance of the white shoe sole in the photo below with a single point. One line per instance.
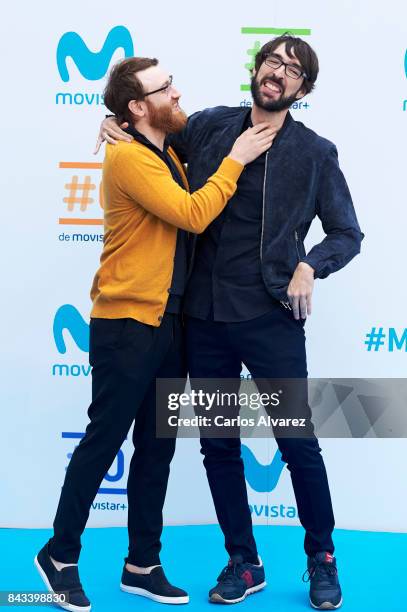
(159, 598)
(66, 606)
(216, 598)
(327, 605)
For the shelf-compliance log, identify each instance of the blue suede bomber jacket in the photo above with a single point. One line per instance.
(302, 180)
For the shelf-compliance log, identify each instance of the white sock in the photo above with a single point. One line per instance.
(59, 566)
(140, 570)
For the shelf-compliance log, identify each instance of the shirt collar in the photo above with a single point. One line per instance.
(144, 140)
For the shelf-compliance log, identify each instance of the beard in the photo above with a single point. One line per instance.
(281, 104)
(166, 119)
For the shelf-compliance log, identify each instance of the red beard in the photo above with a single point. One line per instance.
(166, 119)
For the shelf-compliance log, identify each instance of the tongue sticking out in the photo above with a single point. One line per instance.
(272, 86)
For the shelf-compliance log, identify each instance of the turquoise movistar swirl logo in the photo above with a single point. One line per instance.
(262, 478)
(69, 318)
(92, 65)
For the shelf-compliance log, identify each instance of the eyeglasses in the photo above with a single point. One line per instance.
(165, 88)
(292, 70)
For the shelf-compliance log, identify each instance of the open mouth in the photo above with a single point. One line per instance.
(272, 87)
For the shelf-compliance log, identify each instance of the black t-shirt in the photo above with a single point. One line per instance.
(226, 282)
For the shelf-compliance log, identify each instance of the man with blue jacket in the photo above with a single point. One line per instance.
(251, 290)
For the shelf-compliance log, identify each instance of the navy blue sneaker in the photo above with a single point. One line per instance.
(238, 580)
(64, 581)
(154, 585)
(325, 591)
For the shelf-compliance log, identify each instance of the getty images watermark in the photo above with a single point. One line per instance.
(202, 400)
(330, 408)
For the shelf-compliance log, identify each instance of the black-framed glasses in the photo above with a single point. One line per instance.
(292, 70)
(165, 88)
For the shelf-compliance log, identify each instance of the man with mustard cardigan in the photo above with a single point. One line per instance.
(136, 330)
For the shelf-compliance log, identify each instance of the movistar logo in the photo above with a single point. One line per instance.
(262, 478)
(69, 318)
(92, 65)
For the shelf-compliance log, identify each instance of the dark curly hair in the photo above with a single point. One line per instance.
(293, 46)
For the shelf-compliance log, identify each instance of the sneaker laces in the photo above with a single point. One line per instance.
(229, 573)
(321, 568)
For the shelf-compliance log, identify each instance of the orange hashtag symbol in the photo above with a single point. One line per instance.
(79, 193)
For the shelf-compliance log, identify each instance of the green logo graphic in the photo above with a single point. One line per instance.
(258, 44)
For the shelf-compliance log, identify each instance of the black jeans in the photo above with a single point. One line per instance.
(271, 346)
(126, 356)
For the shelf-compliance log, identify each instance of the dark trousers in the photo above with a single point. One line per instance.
(271, 346)
(126, 357)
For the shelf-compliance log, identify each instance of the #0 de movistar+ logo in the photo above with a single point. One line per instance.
(114, 482)
(91, 65)
(254, 38)
(262, 478)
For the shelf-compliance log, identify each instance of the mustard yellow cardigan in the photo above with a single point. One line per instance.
(143, 208)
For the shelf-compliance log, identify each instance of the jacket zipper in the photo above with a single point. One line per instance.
(296, 245)
(262, 218)
(285, 304)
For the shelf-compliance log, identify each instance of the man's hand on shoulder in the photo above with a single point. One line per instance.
(300, 290)
(110, 131)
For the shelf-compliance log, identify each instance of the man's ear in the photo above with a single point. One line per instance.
(136, 108)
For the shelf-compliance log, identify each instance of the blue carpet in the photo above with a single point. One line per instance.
(372, 567)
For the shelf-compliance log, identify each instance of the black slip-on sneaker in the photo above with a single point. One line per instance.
(154, 586)
(64, 581)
